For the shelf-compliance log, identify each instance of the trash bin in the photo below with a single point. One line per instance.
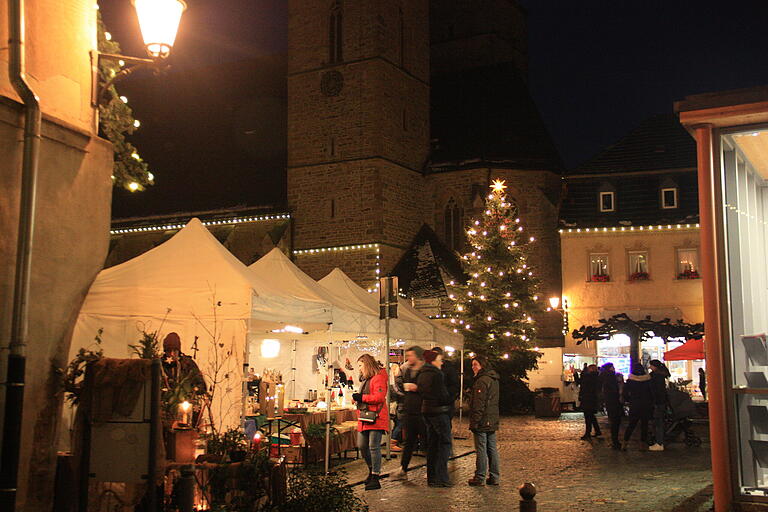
(547, 403)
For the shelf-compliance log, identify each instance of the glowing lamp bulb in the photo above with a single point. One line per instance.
(159, 22)
(554, 302)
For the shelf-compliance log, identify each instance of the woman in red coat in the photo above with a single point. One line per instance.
(373, 398)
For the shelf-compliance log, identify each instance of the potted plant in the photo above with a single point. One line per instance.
(230, 443)
(600, 278)
(639, 276)
(688, 273)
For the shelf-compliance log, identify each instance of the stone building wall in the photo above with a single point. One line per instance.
(358, 129)
(72, 218)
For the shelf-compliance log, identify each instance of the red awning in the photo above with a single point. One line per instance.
(691, 349)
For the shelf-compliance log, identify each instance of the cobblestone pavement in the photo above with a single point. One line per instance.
(570, 474)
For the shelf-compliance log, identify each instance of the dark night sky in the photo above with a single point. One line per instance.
(597, 68)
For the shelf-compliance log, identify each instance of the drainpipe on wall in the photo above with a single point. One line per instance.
(14, 385)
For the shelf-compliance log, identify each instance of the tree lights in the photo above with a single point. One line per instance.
(495, 309)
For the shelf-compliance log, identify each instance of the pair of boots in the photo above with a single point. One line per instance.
(372, 482)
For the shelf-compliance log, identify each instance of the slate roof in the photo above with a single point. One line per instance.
(486, 116)
(659, 142)
(658, 154)
(423, 267)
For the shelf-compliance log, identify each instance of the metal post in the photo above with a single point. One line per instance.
(14, 385)
(155, 432)
(293, 371)
(461, 388)
(328, 402)
(386, 367)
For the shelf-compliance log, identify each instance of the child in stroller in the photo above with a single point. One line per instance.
(680, 410)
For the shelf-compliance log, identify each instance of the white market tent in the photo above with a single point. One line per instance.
(194, 286)
(296, 355)
(410, 326)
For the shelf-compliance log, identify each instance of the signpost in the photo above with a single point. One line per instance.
(388, 295)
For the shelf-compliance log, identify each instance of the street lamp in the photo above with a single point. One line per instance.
(554, 303)
(159, 23)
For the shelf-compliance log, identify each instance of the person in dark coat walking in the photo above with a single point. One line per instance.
(611, 386)
(659, 376)
(637, 392)
(484, 422)
(414, 428)
(435, 405)
(589, 400)
(703, 383)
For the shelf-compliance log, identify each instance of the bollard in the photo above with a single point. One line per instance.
(527, 492)
(186, 489)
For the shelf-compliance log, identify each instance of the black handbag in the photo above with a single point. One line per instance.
(368, 416)
(364, 413)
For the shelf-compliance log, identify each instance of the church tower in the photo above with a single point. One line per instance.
(358, 132)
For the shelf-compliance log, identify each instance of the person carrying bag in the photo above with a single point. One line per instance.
(373, 416)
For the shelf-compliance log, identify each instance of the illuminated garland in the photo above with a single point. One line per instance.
(630, 228)
(223, 222)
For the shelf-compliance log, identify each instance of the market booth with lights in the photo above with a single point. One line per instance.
(731, 131)
(279, 347)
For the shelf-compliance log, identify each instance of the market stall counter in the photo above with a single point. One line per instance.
(312, 425)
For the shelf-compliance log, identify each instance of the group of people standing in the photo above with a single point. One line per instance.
(425, 388)
(644, 392)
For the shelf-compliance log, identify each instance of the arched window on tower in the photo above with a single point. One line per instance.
(335, 34)
(454, 226)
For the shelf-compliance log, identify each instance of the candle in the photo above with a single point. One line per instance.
(185, 407)
(256, 444)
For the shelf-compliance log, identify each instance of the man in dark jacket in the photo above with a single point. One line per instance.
(452, 379)
(589, 391)
(659, 376)
(637, 392)
(414, 429)
(435, 406)
(612, 384)
(484, 422)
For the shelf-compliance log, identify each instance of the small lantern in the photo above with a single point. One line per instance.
(159, 23)
(184, 410)
(554, 302)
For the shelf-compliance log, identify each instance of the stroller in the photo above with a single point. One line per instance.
(678, 418)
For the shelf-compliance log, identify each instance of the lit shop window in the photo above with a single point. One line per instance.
(638, 266)
(669, 198)
(598, 268)
(688, 263)
(607, 201)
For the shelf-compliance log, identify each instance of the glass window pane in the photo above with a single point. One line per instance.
(669, 198)
(606, 201)
(638, 266)
(598, 268)
(688, 263)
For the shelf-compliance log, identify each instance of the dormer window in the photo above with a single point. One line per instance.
(607, 201)
(669, 198)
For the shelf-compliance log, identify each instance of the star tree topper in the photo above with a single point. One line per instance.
(498, 186)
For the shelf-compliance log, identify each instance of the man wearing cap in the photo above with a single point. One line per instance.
(435, 405)
(180, 370)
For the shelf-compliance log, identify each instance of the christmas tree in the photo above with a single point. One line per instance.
(495, 310)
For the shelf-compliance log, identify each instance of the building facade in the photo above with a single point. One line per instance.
(630, 244)
(731, 132)
(73, 204)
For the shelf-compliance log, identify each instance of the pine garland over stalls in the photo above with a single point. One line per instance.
(116, 121)
(496, 309)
